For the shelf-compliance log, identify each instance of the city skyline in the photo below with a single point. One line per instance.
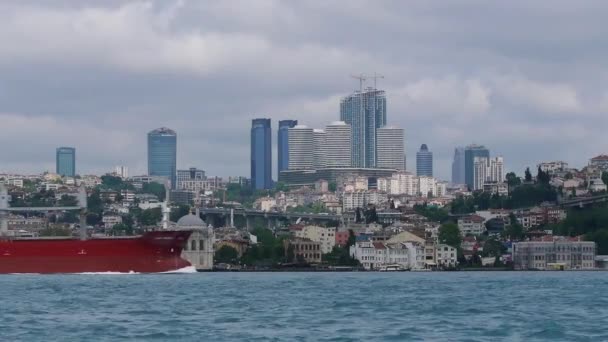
(522, 91)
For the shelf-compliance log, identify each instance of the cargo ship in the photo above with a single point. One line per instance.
(152, 252)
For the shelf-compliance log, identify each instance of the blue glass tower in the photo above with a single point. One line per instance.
(424, 162)
(470, 152)
(65, 161)
(283, 143)
(365, 111)
(162, 154)
(261, 154)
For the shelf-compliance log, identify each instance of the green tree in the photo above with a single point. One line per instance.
(280, 186)
(449, 234)
(68, 201)
(514, 231)
(121, 229)
(154, 188)
(512, 180)
(352, 238)
(605, 177)
(56, 231)
(493, 247)
(528, 175)
(543, 177)
(178, 212)
(332, 186)
(226, 254)
(433, 213)
(150, 217)
(94, 203)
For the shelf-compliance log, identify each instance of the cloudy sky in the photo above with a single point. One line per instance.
(527, 79)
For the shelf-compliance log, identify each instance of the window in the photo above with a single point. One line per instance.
(193, 245)
(201, 244)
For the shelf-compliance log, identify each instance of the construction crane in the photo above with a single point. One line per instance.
(361, 78)
(376, 77)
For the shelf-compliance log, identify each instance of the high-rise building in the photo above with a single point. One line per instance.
(121, 171)
(424, 161)
(301, 145)
(283, 143)
(458, 166)
(261, 154)
(364, 111)
(487, 170)
(390, 148)
(162, 154)
(65, 161)
(338, 145)
(318, 149)
(470, 152)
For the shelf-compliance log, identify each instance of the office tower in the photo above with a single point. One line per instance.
(470, 152)
(301, 145)
(121, 171)
(162, 154)
(319, 141)
(424, 161)
(364, 111)
(458, 166)
(261, 154)
(338, 137)
(283, 143)
(65, 161)
(390, 148)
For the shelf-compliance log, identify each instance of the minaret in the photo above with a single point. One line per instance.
(165, 208)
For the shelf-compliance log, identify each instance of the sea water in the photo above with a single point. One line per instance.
(432, 306)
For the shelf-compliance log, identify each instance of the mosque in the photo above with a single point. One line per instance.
(199, 248)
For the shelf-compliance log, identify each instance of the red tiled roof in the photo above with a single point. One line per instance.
(379, 245)
(600, 157)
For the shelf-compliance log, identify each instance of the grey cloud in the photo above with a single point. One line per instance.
(526, 79)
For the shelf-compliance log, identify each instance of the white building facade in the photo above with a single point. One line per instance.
(301, 145)
(390, 147)
(338, 144)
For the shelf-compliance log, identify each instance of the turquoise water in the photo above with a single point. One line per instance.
(464, 306)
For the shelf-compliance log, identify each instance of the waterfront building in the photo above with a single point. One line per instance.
(554, 253)
(424, 161)
(319, 138)
(446, 256)
(261, 154)
(375, 255)
(162, 154)
(301, 148)
(390, 148)
(364, 111)
(458, 166)
(194, 180)
(303, 250)
(338, 145)
(283, 143)
(325, 236)
(65, 160)
(470, 153)
(198, 250)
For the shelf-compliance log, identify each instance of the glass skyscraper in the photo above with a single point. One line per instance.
(261, 154)
(470, 152)
(283, 143)
(458, 166)
(162, 154)
(65, 161)
(424, 162)
(364, 112)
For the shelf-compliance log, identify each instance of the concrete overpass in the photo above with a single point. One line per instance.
(213, 214)
(5, 208)
(584, 201)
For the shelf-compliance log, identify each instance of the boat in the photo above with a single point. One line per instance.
(152, 252)
(391, 268)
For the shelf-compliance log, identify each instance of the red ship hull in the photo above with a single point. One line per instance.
(152, 252)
